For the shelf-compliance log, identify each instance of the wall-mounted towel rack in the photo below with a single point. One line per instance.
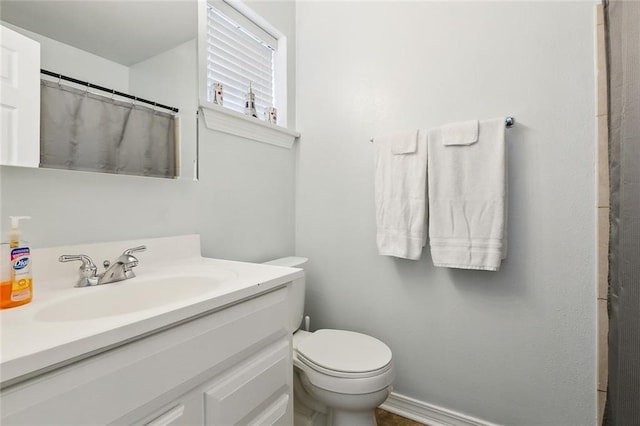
(509, 121)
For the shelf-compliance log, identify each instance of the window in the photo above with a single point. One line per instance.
(239, 54)
(238, 47)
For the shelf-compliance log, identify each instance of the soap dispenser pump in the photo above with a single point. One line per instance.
(16, 283)
(14, 233)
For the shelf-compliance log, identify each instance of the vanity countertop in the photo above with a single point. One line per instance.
(64, 323)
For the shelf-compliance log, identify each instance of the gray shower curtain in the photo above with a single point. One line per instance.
(623, 45)
(84, 131)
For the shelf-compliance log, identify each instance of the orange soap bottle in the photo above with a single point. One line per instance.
(16, 283)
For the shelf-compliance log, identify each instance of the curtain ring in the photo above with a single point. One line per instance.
(113, 93)
(59, 80)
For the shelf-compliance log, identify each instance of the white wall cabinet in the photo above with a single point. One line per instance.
(19, 99)
(232, 366)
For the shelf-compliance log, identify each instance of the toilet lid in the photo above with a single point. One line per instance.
(345, 351)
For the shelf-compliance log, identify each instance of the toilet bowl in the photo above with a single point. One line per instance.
(340, 376)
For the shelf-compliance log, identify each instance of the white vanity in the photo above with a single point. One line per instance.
(188, 341)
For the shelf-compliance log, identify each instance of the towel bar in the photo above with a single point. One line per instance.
(509, 121)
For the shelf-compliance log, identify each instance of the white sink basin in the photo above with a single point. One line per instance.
(133, 295)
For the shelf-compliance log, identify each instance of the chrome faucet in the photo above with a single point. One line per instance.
(121, 269)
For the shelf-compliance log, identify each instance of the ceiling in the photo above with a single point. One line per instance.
(123, 31)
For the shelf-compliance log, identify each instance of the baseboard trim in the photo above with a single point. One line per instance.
(428, 414)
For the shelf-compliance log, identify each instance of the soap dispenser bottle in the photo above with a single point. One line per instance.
(16, 283)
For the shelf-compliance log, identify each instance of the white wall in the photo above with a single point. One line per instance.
(512, 347)
(243, 205)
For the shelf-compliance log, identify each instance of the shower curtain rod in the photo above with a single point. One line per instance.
(509, 121)
(104, 89)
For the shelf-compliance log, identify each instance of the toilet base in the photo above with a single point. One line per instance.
(343, 409)
(306, 411)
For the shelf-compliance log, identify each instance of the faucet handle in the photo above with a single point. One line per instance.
(88, 269)
(87, 262)
(129, 261)
(134, 250)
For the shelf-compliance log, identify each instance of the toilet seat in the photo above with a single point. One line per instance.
(344, 361)
(344, 353)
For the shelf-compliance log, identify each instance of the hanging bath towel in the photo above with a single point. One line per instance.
(400, 194)
(467, 194)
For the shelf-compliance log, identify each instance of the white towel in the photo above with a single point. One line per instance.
(463, 133)
(467, 195)
(400, 194)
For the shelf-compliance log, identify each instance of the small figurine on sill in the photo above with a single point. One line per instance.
(217, 93)
(271, 115)
(250, 103)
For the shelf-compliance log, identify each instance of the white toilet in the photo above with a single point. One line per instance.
(340, 376)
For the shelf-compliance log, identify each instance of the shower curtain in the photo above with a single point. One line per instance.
(623, 46)
(84, 131)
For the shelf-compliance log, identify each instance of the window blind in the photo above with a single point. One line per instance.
(239, 55)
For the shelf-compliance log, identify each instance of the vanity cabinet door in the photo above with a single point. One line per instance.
(254, 392)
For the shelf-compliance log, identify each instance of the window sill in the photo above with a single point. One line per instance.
(225, 120)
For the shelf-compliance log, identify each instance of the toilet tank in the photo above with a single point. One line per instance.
(296, 290)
